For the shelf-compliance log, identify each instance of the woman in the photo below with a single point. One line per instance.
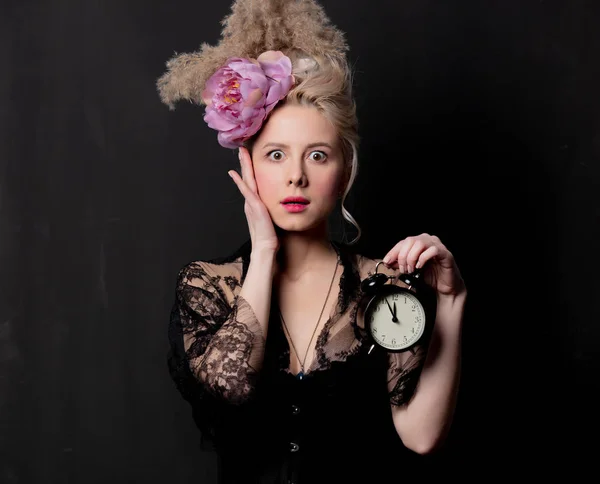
(269, 344)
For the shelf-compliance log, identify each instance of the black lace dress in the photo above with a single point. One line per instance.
(267, 426)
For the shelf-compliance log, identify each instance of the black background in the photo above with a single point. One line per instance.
(480, 124)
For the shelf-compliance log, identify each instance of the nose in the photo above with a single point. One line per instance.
(297, 175)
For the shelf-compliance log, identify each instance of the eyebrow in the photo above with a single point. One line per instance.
(311, 145)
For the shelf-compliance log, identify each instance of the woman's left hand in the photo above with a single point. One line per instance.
(442, 273)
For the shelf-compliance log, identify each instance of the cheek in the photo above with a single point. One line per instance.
(328, 187)
(265, 183)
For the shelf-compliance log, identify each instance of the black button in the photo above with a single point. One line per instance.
(295, 409)
(294, 447)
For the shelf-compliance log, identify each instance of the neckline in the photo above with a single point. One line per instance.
(346, 289)
(305, 371)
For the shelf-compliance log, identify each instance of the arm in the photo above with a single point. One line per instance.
(223, 342)
(424, 386)
(424, 421)
(216, 344)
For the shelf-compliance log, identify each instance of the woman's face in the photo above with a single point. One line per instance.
(298, 154)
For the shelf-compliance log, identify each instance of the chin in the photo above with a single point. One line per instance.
(295, 226)
(296, 223)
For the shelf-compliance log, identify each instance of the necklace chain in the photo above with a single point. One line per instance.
(302, 362)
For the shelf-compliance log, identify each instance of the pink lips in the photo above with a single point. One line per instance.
(295, 204)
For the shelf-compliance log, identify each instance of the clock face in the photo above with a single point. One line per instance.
(396, 319)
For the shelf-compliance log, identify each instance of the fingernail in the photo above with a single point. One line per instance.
(386, 260)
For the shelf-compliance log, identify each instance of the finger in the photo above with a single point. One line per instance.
(242, 165)
(391, 257)
(253, 206)
(241, 184)
(397, 256)
(412, 255)
(247, 169)
(403, 252)
(426, 255)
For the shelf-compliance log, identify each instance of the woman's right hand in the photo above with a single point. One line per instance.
(260, 224)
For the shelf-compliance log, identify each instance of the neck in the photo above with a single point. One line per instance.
(302, 252)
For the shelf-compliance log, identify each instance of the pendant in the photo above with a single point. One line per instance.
(300, 376)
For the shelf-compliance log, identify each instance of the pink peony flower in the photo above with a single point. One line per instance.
(241, 94)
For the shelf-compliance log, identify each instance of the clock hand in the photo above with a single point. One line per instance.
(394, 319)
(388, 304)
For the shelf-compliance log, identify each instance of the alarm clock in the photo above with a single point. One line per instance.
(395, 316)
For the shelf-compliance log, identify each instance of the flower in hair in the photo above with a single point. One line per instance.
(240, 95)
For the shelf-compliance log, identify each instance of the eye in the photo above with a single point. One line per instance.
(319, 156)
(275, 155)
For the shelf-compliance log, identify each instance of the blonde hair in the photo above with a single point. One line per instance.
(302, 31)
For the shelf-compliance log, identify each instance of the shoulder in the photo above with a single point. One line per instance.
(202, 272)
(224, 274)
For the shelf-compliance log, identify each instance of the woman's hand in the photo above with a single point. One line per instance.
(441, 273)
(260, 224)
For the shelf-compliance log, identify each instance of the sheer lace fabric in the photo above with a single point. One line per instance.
(224, 343)
(223, 340)
(235, 379)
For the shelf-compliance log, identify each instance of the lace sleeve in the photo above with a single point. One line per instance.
(219, 341)
(403, 374)
(404, 369)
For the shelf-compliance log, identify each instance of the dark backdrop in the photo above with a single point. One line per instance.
(480, 123)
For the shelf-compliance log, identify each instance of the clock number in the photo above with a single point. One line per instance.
(383, 337)
(394, 341)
